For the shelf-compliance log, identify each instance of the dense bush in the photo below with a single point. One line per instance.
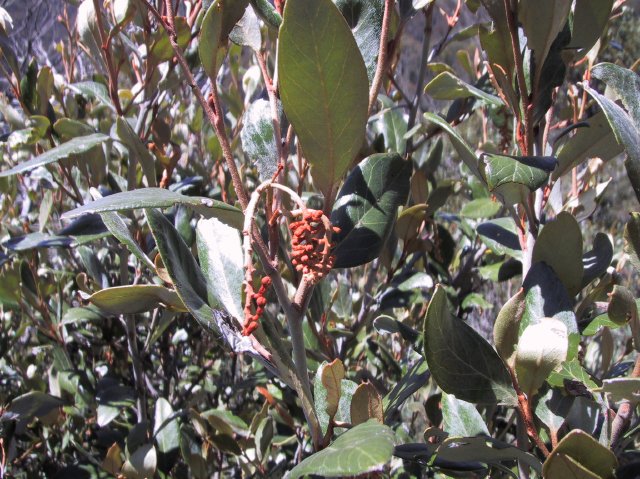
(243, 248)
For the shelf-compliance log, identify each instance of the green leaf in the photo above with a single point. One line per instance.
(366, 208)
(483, 449)
(137, 151)
(161, 198)
(135, 299)
(447, 86)
(546, 297)
(93, 90)
(571, 371)
(118, 228)
(37, 240)
(191, 286)
(258, 138)
(501, 236)
(166, 427)
(364, 17)
(506, 330)
(365, 448)
(465, 152)
(323, 87)
(185, 273)
(161, 49)
(34, 404)
(512, 177)
(590, 18)
(632, 239)
(414, 379)
(60, 152)
(220, 253)
(542, 21)
(247, 31)
(460, 418)
(541, 349)
(267, 12)
(559, 245)
(460, 360)
(594, 141)
(626, 133)
(622, 389)
(480, 208)
(68, 128)
(217, 24)
(625, 84)
(578, 452)
(553, 408)
(598, 323)
(622, 307)
(142, 463)
(392, 125)
(124, 10)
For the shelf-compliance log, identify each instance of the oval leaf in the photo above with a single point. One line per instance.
(578, 452)
(506, 329)
(632, 239)
(365, 448)
(560, 246)
(454, 351)
(217, 24)
(541, 349)
(323, 87)
(366, 208)
(506, 176)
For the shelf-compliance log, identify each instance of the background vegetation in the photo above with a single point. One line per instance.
(342, 238)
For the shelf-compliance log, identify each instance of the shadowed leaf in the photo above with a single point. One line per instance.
(460, 360)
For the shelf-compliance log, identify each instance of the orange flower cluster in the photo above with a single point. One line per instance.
(258, 300)
(311, 245)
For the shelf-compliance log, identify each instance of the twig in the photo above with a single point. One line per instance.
(526, 415)
(294, 311)
(526, 139)
(106, 51)
(426, 45)
(382, 54)
(214, 117)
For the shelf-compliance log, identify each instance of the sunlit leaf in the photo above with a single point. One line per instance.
(323, 87)
(161, 198)
(65, 150)
(365, 448)
(580, 455)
